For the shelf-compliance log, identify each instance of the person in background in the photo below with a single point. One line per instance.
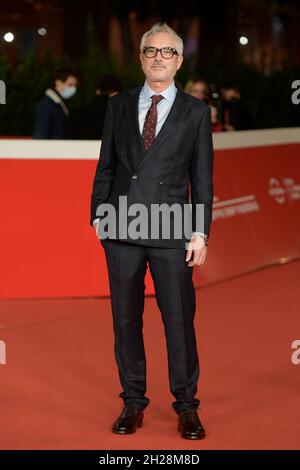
(216, 125)
(52, 114)
(200, 89)
(235, 115)
(87, 122)
(110, 85)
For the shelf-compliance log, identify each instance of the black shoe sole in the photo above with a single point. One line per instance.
(195, 437)
(127, 431)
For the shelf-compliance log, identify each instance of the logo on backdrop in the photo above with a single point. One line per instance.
(236, 206)
(284, 190)
(296, 94)
(295, 358)
(2, 352)
(280, 190)
(2, 92)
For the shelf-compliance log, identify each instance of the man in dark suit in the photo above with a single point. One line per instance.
(157, 141)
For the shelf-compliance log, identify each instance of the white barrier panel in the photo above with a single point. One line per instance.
(48, 248)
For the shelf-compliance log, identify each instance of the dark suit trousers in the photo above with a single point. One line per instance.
(175, 295)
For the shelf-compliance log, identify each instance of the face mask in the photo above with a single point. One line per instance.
(68, 92)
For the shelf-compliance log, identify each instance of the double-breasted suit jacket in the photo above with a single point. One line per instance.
(177, 168)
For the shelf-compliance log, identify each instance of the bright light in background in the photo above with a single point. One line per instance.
(8, 37)
(243, 40)
(42, 31)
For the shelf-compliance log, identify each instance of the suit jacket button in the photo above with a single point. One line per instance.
(160, 182)
(134, 177)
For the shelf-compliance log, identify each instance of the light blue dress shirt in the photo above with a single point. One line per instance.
(163, 107)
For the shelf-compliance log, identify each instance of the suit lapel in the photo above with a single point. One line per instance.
(132, 110)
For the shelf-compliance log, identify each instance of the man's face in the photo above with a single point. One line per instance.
(230, 93)
(159, 69)
(199, 90)
(71, 81)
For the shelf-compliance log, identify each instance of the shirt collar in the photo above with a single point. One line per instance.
(169, 93)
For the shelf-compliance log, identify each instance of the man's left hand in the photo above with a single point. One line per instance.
(196, 252)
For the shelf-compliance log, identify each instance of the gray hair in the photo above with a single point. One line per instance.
(162, 28)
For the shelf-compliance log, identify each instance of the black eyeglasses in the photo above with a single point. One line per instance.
(166, 52)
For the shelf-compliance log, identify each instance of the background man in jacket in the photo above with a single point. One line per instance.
(51, 112)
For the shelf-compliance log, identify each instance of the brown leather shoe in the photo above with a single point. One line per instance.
(130, 419)
(190, 426)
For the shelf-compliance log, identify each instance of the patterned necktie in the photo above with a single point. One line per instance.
(148, 133)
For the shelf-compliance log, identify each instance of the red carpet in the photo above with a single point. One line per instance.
(59, 388)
